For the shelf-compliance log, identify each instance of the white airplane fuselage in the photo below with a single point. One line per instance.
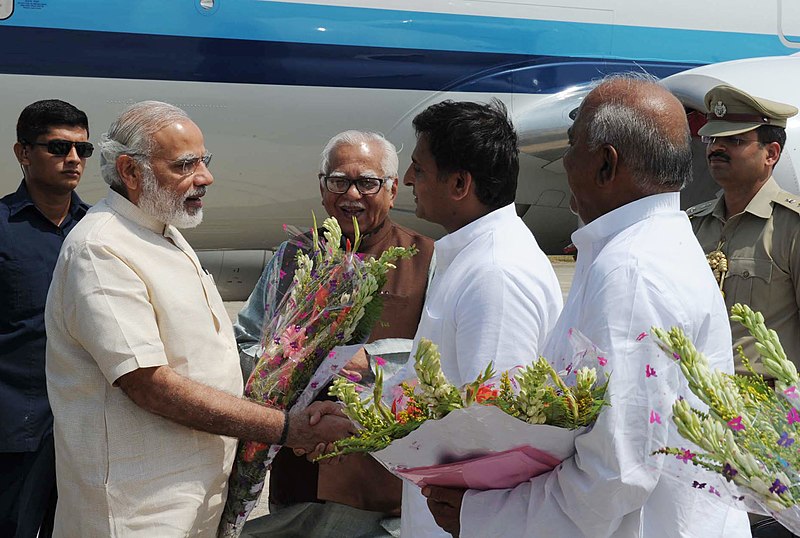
(270, 82)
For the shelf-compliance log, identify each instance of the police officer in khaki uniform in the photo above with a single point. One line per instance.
(751, 232)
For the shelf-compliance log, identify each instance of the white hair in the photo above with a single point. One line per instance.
(389, 162)
(132, 134)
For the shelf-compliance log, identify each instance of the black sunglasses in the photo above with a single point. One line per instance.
(63, 147)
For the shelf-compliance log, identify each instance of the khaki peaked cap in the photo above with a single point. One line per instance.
(732, 111)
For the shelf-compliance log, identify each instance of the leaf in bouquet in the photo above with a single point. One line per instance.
(367, 440)
(372, 314)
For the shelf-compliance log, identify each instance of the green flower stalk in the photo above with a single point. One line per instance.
(748, 434)
(436, 391)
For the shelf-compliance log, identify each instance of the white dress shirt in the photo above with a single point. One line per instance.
(128, 292)
(638, 266)
(494, 297)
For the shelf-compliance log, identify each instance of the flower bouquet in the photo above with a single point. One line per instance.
(333, 300)
(492, 433)
(747, 436)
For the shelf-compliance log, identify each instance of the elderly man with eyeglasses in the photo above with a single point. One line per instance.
(142, 368)
(52, 148)
(358, 178)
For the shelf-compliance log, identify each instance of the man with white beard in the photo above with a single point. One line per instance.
(142, 367)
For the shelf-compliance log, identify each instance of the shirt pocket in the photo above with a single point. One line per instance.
(754, 276)
(25, 283)
(431, 325)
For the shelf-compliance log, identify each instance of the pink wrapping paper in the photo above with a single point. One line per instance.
(495, 471)
(479, 447)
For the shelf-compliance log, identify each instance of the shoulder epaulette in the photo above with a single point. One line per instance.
(787, 200)
(701, 210)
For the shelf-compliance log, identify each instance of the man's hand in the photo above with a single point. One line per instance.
(357, 367)
(319, 423)
(445, 505)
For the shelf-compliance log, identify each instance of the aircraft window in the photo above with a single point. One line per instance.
(6, 9)
(207, 4)
(789, 23)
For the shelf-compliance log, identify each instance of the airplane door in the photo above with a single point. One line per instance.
(789, 22)
(6, 9)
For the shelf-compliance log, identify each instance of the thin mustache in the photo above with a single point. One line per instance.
(352, 206)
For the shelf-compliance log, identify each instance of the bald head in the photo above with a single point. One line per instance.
(647, 127)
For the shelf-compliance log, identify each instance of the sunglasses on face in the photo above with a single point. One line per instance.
(62, 148)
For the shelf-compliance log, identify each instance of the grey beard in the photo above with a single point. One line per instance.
(165, 205)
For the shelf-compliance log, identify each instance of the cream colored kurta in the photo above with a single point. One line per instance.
(129, 293)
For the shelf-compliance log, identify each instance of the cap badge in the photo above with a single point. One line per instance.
(720, 109)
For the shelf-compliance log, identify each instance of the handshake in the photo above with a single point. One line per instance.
(311, 430)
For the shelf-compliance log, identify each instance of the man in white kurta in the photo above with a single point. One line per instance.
(494, 295)
(638, 266)
(142, 367)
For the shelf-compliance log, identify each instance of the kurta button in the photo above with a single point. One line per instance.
(746, 274)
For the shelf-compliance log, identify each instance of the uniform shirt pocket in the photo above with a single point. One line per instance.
(751, 268)
(748, 281)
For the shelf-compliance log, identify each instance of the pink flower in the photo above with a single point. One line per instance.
(650, 371)
(380, 361)
(736, 424)
(792, 416)
(641, 336)
(293, 341)
(655, 417)
(283, 382)
(686, 456)
(791, 392)
(602, 360)
(399, 404)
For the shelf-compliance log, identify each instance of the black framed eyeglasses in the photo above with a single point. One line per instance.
(62, 148)
(364, 184)
(732, 140)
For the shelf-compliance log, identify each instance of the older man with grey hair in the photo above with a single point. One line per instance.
(357, 178)
(142, 368)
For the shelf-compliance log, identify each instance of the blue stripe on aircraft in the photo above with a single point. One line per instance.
(258, 20)
(132, 56)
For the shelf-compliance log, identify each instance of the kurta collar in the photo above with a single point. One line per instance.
(448, 247)
(613, 222)
(376, 237)
(131, 211)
